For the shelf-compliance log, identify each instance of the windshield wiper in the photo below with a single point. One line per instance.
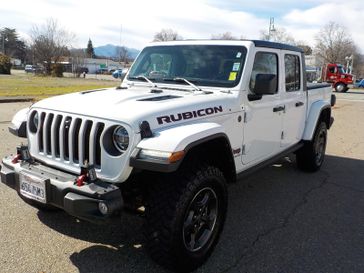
(178, 79)
(188, 82)
(141, 77)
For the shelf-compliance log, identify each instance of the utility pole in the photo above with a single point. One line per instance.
(120, 49)
(271, 27)
(349, 64)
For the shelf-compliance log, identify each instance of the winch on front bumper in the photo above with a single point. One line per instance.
(94, 201)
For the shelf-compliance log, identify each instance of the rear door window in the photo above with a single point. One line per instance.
(293, 72)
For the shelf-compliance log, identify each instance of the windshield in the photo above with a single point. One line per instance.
(341, 69)
(205, 65)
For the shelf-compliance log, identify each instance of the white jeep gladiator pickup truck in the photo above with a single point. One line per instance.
(189, 118)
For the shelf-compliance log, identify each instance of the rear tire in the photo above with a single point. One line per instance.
(185, 215)
(311, 156)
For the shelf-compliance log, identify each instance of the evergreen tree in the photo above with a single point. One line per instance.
(11, 45)
(90, 52)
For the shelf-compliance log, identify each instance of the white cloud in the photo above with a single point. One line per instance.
(305, 24)
(141, 19)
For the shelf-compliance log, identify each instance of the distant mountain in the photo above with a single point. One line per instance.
(111, 51)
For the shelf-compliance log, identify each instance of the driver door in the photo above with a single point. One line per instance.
(263, 109)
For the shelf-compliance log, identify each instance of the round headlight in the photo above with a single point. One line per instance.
(121, 138)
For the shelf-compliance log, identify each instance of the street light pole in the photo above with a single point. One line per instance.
(349, 64)
(271, 27)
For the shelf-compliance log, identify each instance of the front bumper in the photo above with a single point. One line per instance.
(62, 191)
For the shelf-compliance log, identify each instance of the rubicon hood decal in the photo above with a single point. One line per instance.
(189, 115)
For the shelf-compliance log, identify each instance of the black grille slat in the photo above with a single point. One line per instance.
(75, 141)
(100, 129)
(40, 132)
(67, 125)
(48, 127)
(86, 140)
(57, 136)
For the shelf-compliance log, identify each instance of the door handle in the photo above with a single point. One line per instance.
(279, 108)
(299, 103)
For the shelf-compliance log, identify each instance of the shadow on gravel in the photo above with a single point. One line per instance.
(118, 246)
(279, 220)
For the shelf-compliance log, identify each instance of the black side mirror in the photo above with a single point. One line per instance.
(265, 84)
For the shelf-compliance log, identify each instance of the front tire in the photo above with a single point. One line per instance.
(185, 215)
(340, 87)
(311, 156)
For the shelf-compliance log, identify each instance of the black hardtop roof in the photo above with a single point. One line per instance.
(257, 43)
(260, 43)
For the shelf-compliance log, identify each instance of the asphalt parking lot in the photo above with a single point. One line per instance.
(279, 219)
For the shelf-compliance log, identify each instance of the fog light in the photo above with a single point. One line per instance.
(103, 208)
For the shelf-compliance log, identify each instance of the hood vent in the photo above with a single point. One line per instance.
(160, 98)
(92, 91)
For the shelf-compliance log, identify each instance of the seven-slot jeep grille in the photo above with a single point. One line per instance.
(69, 139)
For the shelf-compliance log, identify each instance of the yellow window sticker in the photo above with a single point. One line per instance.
(232, 76)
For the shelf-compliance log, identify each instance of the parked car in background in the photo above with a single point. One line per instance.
(29, 68)
(102, 71)
(359, 84)
(120, 73)
(111, 70)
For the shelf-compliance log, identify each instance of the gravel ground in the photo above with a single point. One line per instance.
(280, 219)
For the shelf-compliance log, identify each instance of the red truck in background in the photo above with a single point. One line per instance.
(335, 74)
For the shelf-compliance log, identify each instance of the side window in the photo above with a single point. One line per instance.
(293, 72)
(265, 73)
(332, 69)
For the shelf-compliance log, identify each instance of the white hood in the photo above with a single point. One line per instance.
(136, 104)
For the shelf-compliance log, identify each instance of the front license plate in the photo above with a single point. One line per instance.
(32, 187)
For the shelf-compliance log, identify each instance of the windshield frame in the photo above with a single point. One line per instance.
(233, 64)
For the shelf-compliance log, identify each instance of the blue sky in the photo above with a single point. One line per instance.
(139, 20)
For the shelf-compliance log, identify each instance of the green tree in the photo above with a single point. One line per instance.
(90, 52)
(5, 64)
(11, 45)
